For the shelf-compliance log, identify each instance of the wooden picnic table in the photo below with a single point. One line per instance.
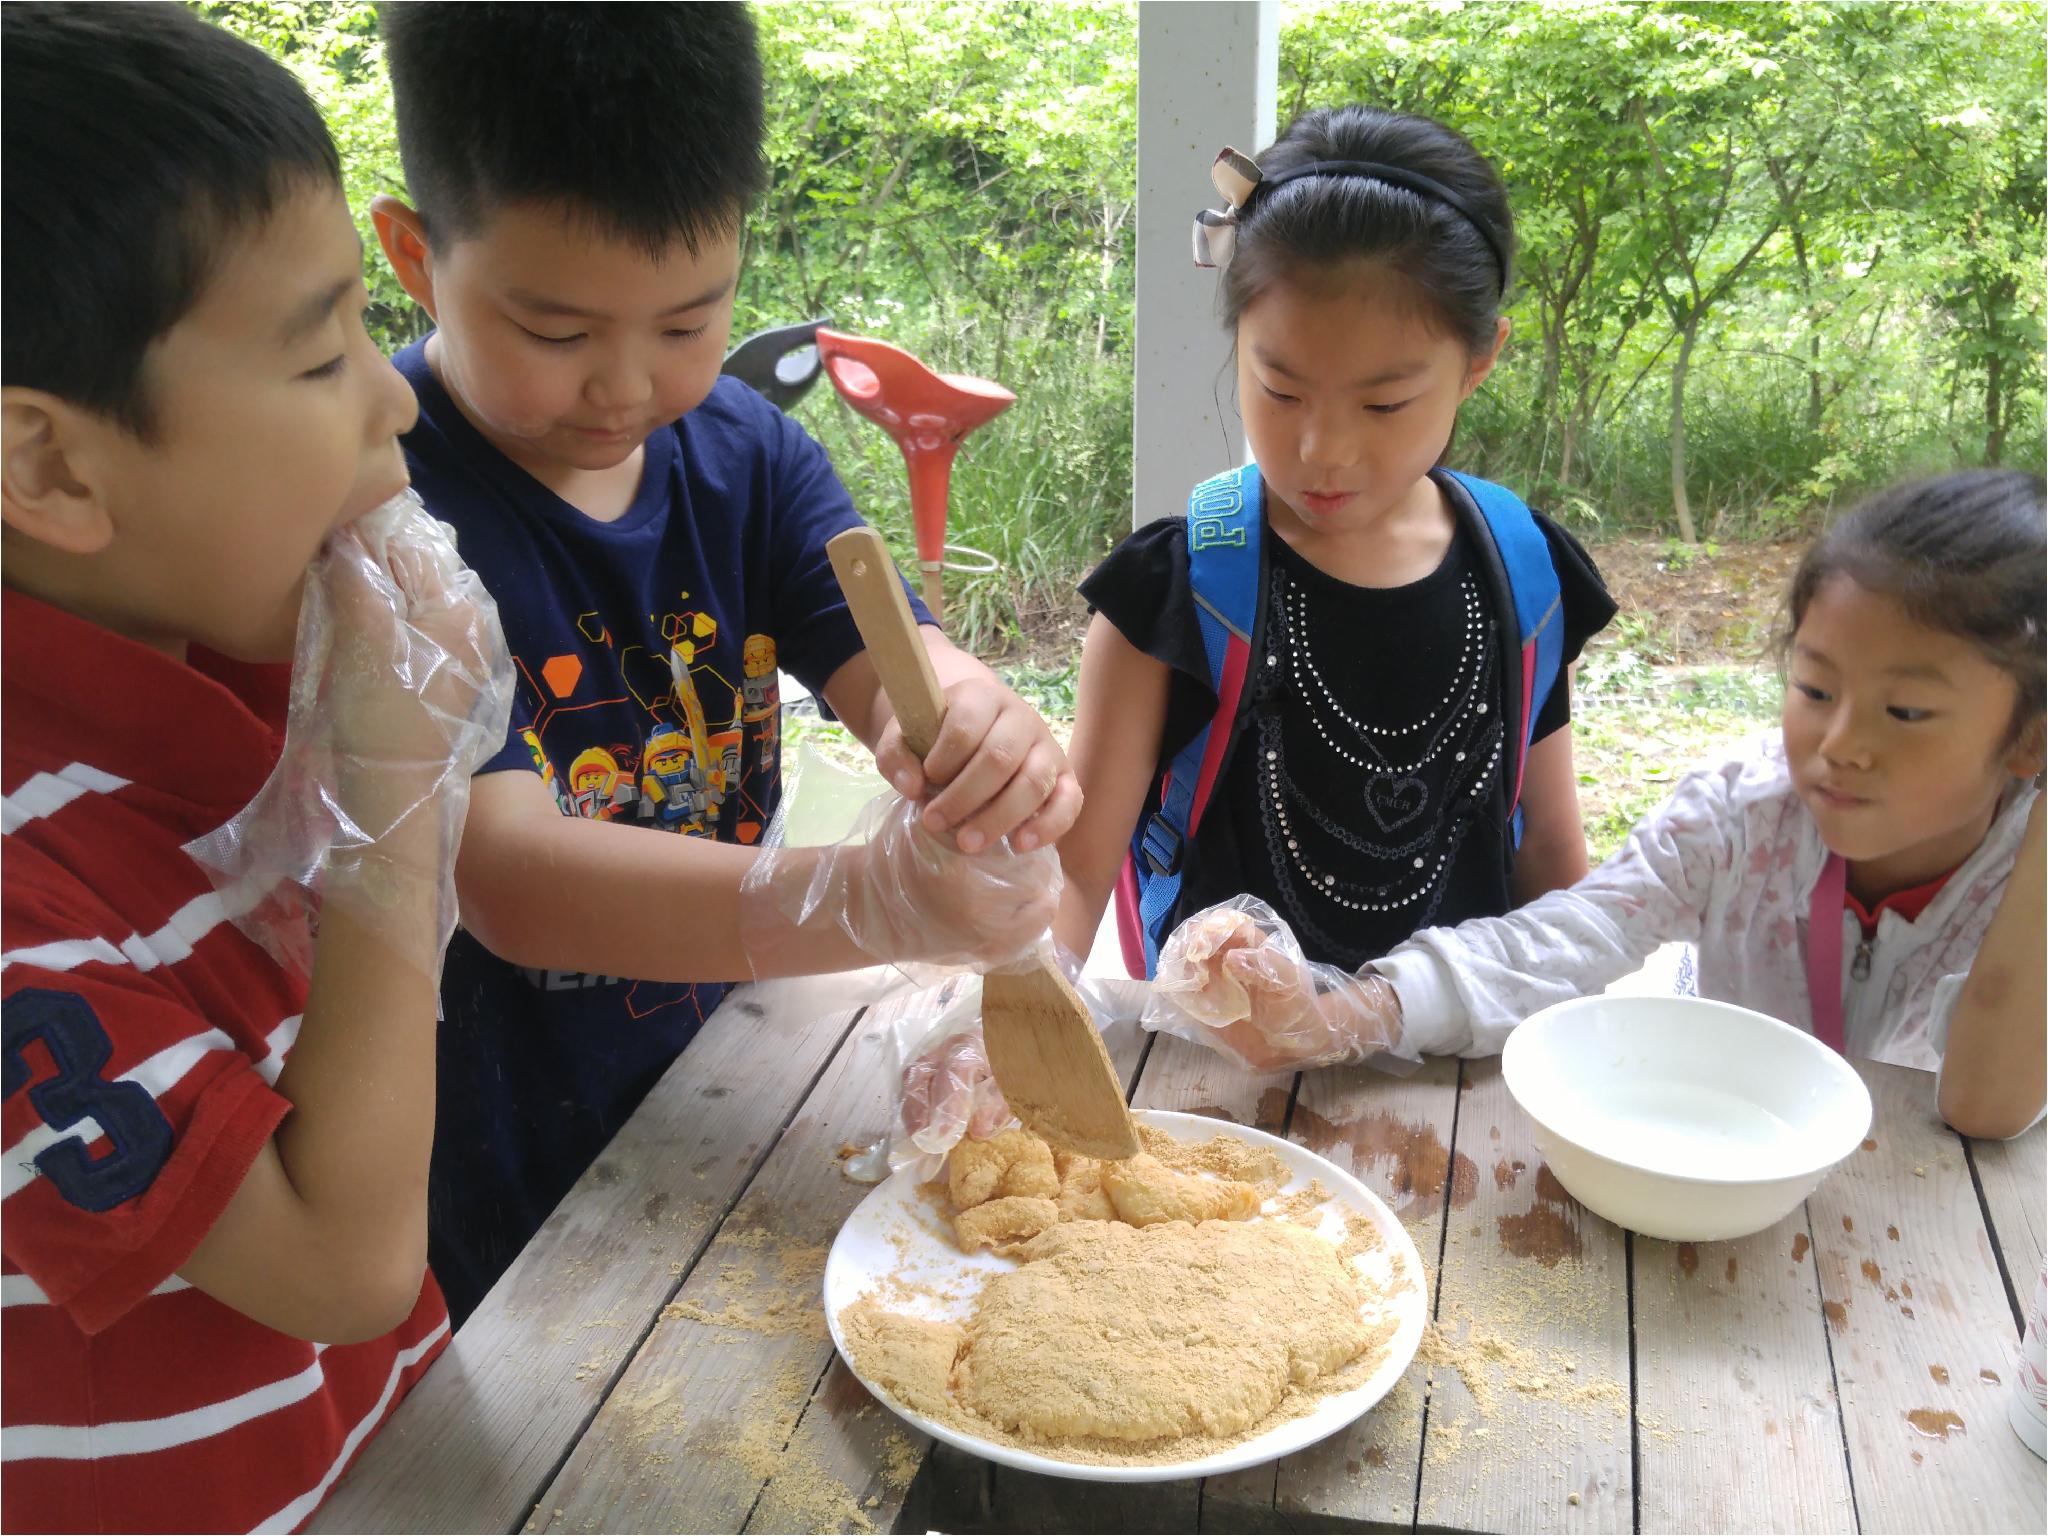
(657, 1359)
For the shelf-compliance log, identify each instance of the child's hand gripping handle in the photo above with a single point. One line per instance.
(896, 891)
(1039, 1037)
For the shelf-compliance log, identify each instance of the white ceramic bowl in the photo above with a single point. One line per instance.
(1681, 1118)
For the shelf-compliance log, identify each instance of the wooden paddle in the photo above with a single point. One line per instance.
(1042, 1043)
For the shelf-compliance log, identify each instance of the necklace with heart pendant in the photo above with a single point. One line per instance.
(1420, 872)
(1394, 800)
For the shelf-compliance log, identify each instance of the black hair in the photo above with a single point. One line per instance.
(139, 140)
(1320, 220)
(1963, 554)
(645, 119)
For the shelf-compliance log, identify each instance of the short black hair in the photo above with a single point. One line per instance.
(1965, 554)
(645, 119)
(138, 140)
(1316, 220)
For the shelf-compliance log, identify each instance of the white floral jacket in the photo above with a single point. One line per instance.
(1728, 864)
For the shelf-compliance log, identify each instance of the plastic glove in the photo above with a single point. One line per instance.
(950, 1091)
(401, 689)
(898, 892)
(1233, 978)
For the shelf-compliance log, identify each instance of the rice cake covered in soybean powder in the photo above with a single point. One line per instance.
(1134, 1334)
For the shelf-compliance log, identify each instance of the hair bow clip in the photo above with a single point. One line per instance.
(1236, 177)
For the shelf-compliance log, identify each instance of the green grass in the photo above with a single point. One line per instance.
(1636, 728)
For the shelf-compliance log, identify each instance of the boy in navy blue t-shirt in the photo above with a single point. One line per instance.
(654, 536)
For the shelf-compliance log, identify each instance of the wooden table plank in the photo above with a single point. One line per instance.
(1183, 1076)
(1921, 1328)
(699, 1424)
(1393, 1134)
(1529, 1274)
(2014, 1177)
(951, 1493)
(473, 1444)
(844, 1437)
(1738, 1427)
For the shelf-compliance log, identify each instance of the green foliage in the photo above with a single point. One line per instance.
(957, 179)
(1819, 224)
(1840, 203)
(334, 50)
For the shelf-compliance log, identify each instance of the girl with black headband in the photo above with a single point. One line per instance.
(1383, 760)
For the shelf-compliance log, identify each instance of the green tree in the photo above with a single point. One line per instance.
(1753, 236)
(333, 48)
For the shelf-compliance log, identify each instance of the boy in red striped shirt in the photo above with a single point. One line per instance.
(215, 1175)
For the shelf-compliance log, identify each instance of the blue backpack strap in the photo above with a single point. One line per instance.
(1539, 611)
(1224, 525)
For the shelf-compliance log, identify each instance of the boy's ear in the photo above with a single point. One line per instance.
(46, 475)
(403, 234)
(1475, 375)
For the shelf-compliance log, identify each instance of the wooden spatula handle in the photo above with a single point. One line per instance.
(1042, 1045)
(887, 627)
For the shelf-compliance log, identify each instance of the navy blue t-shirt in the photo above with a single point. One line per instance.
(720, 564)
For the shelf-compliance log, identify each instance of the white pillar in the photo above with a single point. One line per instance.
(1208, 75)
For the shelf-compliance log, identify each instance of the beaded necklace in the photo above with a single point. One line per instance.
(1394, 795)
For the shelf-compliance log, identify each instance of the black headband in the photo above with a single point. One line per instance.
(1394, 175)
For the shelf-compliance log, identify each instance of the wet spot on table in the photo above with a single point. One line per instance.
(1549, 1230)
(1417, 1164)
(1936, 1423)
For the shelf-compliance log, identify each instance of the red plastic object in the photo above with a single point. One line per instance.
(928, 413)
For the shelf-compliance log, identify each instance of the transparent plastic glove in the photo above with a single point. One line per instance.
(898, 893)
(401, 689)
(1233, 978)
(949, 1092)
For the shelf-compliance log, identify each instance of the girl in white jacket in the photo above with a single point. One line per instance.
(1872, 872)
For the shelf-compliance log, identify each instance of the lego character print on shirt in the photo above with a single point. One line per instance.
(683, 738)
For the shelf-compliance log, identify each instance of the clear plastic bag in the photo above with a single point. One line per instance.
(1234, 978)
(944, 1088)
(401, 689)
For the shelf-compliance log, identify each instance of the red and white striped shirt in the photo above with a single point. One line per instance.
(143, 1036)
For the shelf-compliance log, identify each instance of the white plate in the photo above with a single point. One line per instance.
(895, 1233)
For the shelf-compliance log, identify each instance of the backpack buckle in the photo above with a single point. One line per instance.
(1162, 846)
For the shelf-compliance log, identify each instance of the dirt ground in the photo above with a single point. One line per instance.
(1687, 608)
